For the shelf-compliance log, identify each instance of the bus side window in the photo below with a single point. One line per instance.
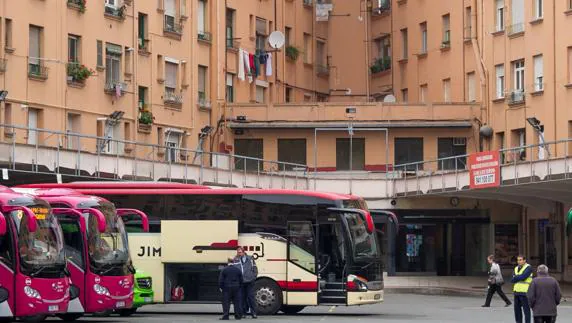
(6, 247)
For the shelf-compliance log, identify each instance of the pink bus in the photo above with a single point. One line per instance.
(96, 249)
(34, 282)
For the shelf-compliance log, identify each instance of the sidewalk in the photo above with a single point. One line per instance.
(451, 285)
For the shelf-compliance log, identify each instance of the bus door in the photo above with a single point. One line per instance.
(6, 269)
(301, 284)
(193, 253)
(386, 227)
(135, 219)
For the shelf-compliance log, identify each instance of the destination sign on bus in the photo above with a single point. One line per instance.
(40, 212)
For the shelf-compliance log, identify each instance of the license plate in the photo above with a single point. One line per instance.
(147, 299)
(53, 308)
(120, 304)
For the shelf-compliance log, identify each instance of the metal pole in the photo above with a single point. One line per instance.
(258, 174)
(351, 132)
(201, 171)
(230, 160)
(283, 175)
(244, 172)
(14, 148)
(315, 157)
(78, 167)
(58, 157)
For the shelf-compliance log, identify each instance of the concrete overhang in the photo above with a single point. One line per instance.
(344, 125)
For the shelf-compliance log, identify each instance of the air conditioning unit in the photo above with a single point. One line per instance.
(459, 141)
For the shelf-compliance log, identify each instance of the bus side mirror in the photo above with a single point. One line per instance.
(141, 215)
(100, 218)
(32, 223)
(82, 225)
(67, 272)
(131, 269)
(2, 225)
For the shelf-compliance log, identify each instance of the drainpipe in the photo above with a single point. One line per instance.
(366, 27)
(483, 73)
(554, 72)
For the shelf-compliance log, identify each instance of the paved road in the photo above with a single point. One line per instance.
(398, 308)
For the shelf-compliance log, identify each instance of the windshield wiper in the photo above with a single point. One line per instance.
(38, 271)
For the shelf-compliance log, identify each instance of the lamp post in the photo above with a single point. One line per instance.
(538, 127)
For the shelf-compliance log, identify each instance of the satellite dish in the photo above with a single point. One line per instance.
(276, 39)
(390, 98)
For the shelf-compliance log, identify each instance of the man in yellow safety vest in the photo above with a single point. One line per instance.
(521, 279)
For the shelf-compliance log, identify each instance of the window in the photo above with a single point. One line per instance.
(291, 151)
(468, 23)
(260, 94)
(517, 16)
(538, 73)
(35, 49)
(518, 81)
(408, 150)
(229, 28)
(287, 35)
(321, 53)
(307, 48)
(249, 148)
(538, 9)
(73, 48)
(446, 30)
(73, 126)
(142, 31)
(261, 33)
(171, 76)
(500, 146)
(8, 33)
(170, 14)
(343, 154)
(229, 88)
(519, 140)
(127, 64)
(499, 71)
(451, 147)
(405, 95)
(7, 114)
(142, 97)
(112, 65)
(201, 18)
(404, 46)
(423, 93)
(33, 123)
(447, 90)
(202, 84)
(288, 94)
(112, 3)
(99, 53)
(172, 145)
(500, 15)
(383, 47)
(472, 90)
(423, 27)
(569, 49)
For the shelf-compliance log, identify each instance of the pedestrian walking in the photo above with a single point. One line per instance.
(544, 296)
(495, 283)
(230, 283)
(249, 274)
(521, 279)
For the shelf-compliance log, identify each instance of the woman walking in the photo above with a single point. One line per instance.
(495, 283)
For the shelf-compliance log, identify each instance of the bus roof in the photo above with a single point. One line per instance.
(70, 196)
(117, 185)
(226, 191)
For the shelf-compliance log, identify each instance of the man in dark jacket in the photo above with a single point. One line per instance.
(544, 296)
(249, 273)
(230, 283)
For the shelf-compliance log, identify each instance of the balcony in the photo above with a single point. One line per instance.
(203, 102)
(516, 97)
(144, 46)
(383, 8)
(38, 71)
(380, 64)
(79, 5)
(115, 88)
(308, 3)
(515, 30)
(205, 36)
(172, 28)
(115, 12)
(172, 99)
(322, 70)
(446, 42)
(232, 44)
(77, 74)
(378, 114)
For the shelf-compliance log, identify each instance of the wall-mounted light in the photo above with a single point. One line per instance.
(3, 95)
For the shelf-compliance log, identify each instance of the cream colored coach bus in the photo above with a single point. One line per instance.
(311, 248)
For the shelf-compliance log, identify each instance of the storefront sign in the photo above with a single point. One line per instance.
(484, 169)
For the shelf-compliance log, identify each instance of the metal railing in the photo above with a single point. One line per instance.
(171, 26)
(308, 2)
(118, 12)
(38, 71)
(204, 35)
(146, 161)
(111, 87)
(515, 28)
(323, 70)
(144, 45)
(516, 96)
(171, 98)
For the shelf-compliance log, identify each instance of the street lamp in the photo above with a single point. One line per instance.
(536, 125)
(3, 95)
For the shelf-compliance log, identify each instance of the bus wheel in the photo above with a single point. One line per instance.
(127, 311)
(268, 297)
(70, 317)
(291, 309)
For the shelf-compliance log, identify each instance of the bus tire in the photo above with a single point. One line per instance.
(268, 296)
(70, 317)
(292, 309)
(127, 311)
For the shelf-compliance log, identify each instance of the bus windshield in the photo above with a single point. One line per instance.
(110, 247)
(364, 243)
(41, 249)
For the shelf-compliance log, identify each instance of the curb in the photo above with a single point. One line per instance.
(448, 291)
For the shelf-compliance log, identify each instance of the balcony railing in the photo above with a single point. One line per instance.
(381, 64)
(115, 88)
(38, 71)
(202, 100)
(205, 36)
(446, 43)
(322, 70)
(117, 12)
(308, 2)
(77, 4)
(171, 26)
(171, 98)
(143, 45)
(383, 7)
(515, 29)
(515, 97)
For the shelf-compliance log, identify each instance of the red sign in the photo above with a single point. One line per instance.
(484, 169)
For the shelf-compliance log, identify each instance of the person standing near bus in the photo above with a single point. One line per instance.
(230, 283)
(521, 278)
(249, 274)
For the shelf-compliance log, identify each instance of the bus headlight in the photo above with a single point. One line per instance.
(100, 290)
(32, 293)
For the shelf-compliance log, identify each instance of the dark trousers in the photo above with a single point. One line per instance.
(231, 294)
(248, 297)
(545, 319)
(495, 289)
(521, 305)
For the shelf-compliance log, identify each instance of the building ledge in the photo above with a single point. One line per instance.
(144, 128)
(172, 35)
(568, 12)
(568, 86)
(343, 124)
(516, 35)
(537, 21)
(9, 50)
(144, 52)
(400, 2)
(77, 85)
(445, 48)
(498, 33)
(499, 100)
(537, 93)
(114, 17)
(100, 68)
(309, 65)
(173, 106)
(517, 103)
(403, 60)
(381, 73)
(422, 55)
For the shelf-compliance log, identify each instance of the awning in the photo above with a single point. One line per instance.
(344, 125)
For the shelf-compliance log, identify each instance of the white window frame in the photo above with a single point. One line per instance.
(112, 4)
(500, 12)
(423, 27)
(202, 17)
(172, 88)
(76, 40)
(538, 73)
(500, 81)
(518, 82)
(447, 90)
(471, 87)
(423, 89)
(538, 9)
(110, 59)
(172, 144)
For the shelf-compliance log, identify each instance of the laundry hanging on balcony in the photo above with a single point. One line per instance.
(250, 65)
(244, 65)
(118, 90)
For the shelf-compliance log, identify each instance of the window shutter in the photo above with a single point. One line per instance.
(201, 17)
(171, 75)
(170, 8)
(34, 45)
(202, 78)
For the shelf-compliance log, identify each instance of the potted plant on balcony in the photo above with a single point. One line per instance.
(145, 121)
(292, 52)
(78, 72)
